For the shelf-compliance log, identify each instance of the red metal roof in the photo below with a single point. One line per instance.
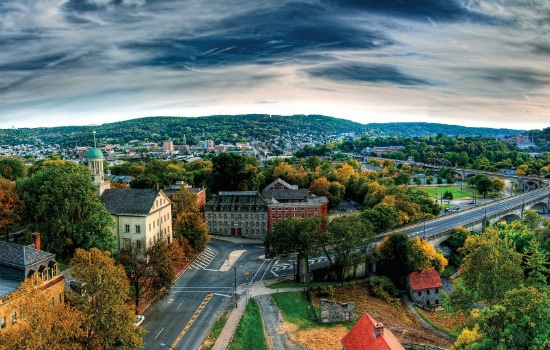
(424, 280)
(364, 336)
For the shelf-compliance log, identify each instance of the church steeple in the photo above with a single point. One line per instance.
(95, 164)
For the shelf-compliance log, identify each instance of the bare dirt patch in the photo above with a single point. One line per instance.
(322, 338)
(400, 320)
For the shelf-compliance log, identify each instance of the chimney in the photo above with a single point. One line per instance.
(36, 240)
(378, 330)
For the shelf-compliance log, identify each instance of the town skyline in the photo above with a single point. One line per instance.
(481, 64)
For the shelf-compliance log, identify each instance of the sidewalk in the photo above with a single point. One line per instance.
(254, 289)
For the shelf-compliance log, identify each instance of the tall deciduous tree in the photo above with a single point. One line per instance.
(349, 237)
(61, 203)
(11, 206)
(149, 272)
(520, 321)
(491, 266)
(110, 318)
(398, 255)
(39, 324)
(294, 235)
(189, 222)
(232, 172)
(12, 168)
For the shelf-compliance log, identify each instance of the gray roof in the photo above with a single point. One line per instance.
(21, 256)
(286, 194)
(134, 202)
(282, 182)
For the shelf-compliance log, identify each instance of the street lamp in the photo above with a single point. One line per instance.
(168, 346)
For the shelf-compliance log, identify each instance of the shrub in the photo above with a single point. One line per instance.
(383, 288)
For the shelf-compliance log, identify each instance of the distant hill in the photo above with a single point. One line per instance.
(231, 128)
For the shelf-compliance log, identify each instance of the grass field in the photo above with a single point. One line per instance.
(250, 329)
(296, 309)
(437, 191)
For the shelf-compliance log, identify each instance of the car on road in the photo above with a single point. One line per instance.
(139, 320)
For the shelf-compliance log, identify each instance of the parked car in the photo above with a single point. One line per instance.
(139, 320)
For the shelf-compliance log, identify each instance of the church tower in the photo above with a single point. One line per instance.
(95, 164)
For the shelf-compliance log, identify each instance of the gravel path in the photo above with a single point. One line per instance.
(272, 325)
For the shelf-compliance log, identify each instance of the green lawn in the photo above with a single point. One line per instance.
(297, 309)
(437, 191)
(250, 329)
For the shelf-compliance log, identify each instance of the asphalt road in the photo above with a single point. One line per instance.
(184, 318)
(448, 222)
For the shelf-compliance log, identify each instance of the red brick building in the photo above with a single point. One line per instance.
(288, 201)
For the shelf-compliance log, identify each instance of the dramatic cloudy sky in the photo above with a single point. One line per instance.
(465, 62)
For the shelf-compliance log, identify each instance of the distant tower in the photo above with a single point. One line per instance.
(184, 140)
(95, 164)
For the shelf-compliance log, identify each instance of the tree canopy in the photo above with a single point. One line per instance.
(61, 203)
(110, 318)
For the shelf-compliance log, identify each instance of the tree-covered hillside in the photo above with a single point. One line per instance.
(230, 128)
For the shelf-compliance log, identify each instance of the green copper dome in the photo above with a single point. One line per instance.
(94, 153)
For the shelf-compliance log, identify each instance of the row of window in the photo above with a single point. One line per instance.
(137, 227)
(302, 215)
(235, 224)
(209, 216)
(428, 292)
(246, 231)
(294, 209)
(14, 315)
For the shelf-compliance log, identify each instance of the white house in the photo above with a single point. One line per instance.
(143, 216)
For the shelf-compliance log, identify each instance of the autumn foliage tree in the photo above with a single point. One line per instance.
(39, 324)
(109, 315)
(398, 255)
(11, 206)
(491, 266)
(189, 222)
(149, 271)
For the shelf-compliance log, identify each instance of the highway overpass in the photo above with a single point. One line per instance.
(477, 218)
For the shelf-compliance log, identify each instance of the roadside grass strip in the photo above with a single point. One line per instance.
(250, 331)
(215, 332)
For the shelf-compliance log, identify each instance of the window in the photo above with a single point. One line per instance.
(437, 291)
(428, 292)
(126, 242)
(138, 229)
(3, 322)
(273, 215)
(126, 228)
(149, 226)
(59, 298)
(437, 301)
(280, 215)
(427, 302)
(52, 301)
(419, 293)
(138, 244)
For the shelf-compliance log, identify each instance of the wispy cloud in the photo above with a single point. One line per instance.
(457, 61)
